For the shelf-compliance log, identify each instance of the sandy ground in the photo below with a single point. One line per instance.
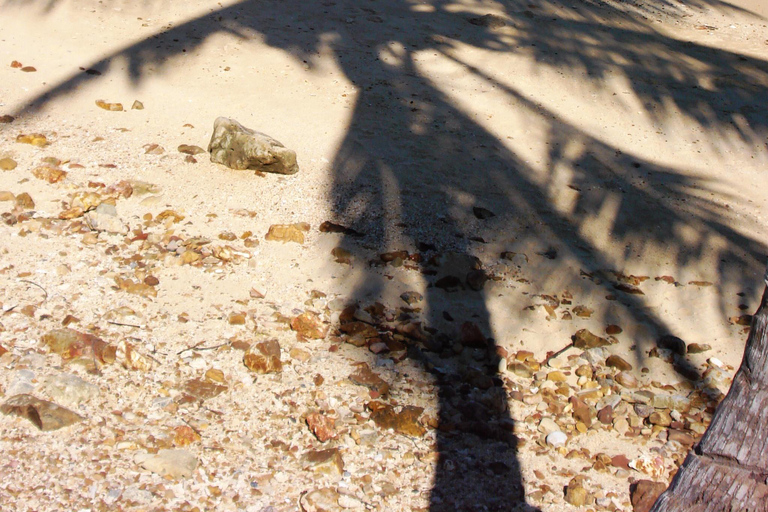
(602, 155)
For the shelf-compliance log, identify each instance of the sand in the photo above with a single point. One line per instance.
(608, 140)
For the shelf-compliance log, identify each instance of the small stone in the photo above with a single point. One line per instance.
(556, 439)
(520, 369)
(321, 426)
(411, 297)
(236, 319)
(320, 500)
(617, 362)
(104, 218)
(365, 377)
(556, 376)
(681, 437)
(482, 213)
(341, 255)
(264, 357)
(5, 119)
(190, 150)
(621, 425)
(238, 147)
(7, 196)
(287, 233)
(203, 389)
(584, 339)
(184, 436)
(362, 329)
(581, 411)
(324, 462)
(626, 379)
(74, 345)
(605, 415)
(7, 164)
(673, 344)
(677, 402)
(299, 354)
(576, 495)
(644, 494)
(476, 280)
(698, 348)
(620, 461)
(24, 201)
(69, 388)
(176, 463)
(661, 418)
(137, 105)
(405, 422)
(583, 311)
(310, 325)
(153, 149)
(471, 336)
(36, 139)
(43, 414)
(547, 425)
(49, 174)
(29, 69)
(613, 329)
(114, 107)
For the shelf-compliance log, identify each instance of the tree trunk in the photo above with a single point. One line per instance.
(727, 470)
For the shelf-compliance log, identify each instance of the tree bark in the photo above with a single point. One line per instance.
(727, 470)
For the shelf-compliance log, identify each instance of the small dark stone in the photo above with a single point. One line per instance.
(644, 494)
(673, 344)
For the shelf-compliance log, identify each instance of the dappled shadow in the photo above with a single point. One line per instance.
(414, 162)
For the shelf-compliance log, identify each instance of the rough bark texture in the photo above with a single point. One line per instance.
(728, 469)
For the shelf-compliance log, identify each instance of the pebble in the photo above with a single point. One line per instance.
(617, 362)
(324, 462)
(584, 339)
(547, 425)
(287, 232)
(556, 439)
(69, 388)
(7, 164)
(627, 380)
(104, 218)
(698, 348)
(43, 414)
(174, 463)
(264, 357)
(310, 325)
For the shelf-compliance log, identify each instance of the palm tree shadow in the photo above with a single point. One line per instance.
(414, 165)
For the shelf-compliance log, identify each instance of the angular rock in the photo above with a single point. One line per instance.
(7, 164)
(471, 336)
(310, 325)
(576, 495)
(556, 439)
(584, 339)
(104, 218)
(287, 232)
(324, 462)
(365, 377)
(320, 500)
(25, 201)
(173, 463)
(618, 362)
(581, 411)
(626, 379)
(72, 345)
(698, 348)
(321, 426)
(238, 147)
(405, 422)
(264, 357)
(644, 493)
(363, 329)
(69, 388)
(190, 150)
(673, 344)
(203, 389)
(411, 297)
(44, 414)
